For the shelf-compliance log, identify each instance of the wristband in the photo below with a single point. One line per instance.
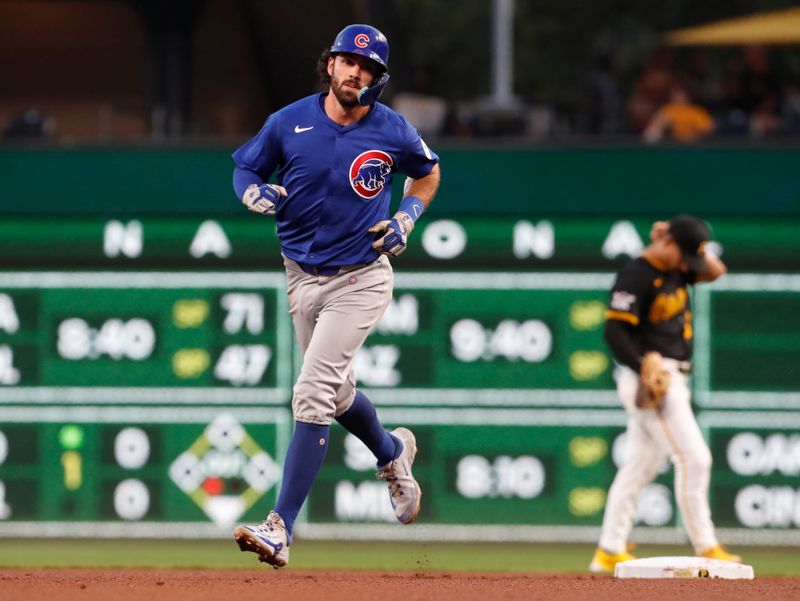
(412, 206)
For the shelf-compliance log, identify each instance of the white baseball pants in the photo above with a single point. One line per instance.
(653, 435)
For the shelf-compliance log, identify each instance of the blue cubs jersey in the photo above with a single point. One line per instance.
(338, 178)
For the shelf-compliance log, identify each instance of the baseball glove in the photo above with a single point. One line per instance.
(653, 382)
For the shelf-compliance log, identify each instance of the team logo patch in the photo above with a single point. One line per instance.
(362, 40)
(369, 172)
(622, 301)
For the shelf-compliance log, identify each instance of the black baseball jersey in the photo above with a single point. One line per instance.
(656, 303)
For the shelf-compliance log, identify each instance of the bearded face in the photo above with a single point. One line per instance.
(349, 73)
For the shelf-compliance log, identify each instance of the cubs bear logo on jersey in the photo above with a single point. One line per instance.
(369, 172)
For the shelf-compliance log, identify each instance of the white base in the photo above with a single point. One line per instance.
(682, 567)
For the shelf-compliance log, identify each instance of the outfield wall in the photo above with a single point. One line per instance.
(501, 180)
(147, 357)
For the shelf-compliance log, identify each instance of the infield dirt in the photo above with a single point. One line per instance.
(287, 585)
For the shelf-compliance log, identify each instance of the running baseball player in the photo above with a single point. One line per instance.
(649, 331)
(335, 155)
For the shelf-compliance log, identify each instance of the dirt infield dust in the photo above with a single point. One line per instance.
(287, 585)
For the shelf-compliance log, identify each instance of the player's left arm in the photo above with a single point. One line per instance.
(421, 165)
(392, 234)
(424, 188)
(715, 269)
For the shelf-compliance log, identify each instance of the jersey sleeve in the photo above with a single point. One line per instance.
(261, 154)
(619, 336)
(416, 159)
(628, 295)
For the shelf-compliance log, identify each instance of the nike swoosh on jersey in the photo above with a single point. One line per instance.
(300, 130)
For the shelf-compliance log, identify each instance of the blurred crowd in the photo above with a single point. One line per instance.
(667, 99)
(682, 100)
(686, 102)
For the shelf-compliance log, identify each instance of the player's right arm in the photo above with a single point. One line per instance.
(262, 198)
(620, 338)
(255, 162)
(623, 315)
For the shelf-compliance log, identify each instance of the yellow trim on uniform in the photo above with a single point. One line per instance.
(623, 316)
(688, 329)
(660, 265)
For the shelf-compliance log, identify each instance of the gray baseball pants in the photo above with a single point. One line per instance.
(332, 316)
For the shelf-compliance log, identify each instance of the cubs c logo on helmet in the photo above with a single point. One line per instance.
(362, 40)
(368, 173)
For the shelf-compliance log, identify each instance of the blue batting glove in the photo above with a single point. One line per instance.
(391, 235)
(262, 198)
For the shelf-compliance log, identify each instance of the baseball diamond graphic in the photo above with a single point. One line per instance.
(224, 457)
(368, 173)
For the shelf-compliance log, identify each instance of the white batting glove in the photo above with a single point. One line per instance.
(262, 198)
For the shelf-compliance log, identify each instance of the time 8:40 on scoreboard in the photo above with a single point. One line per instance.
(164, 337)
(133, 331)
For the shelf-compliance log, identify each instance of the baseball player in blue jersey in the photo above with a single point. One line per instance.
(335, 155)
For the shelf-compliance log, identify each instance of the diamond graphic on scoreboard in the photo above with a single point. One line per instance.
(224, 471)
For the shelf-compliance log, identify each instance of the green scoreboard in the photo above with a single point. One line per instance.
(129, 331)
(137, 465)
(141, 397)
(152, 403)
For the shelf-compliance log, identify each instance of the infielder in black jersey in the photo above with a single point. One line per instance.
(649, 319)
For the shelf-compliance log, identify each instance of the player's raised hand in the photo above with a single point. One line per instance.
(659, 230)
(262, 198)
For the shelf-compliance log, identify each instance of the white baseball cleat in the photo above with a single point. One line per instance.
(269, 540)
(404, 491)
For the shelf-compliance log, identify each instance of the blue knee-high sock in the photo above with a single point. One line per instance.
(361, 420)
(303, 460)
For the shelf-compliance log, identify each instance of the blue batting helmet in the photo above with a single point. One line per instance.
(364, 40)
